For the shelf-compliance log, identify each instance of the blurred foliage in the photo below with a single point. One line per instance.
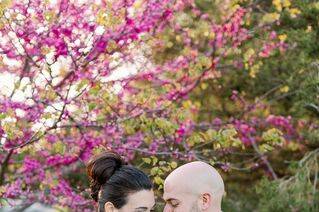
(287, 83)
(297, 193)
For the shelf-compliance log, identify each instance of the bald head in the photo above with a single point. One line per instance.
(195, 183)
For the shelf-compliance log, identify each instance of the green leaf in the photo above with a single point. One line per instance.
(147, 160)
(2, 116)
(155, 160)
(92, 105)
(154, 171)
(273, 136)
(95, 90)
(265, 148)
(82, 84)
(166, 168)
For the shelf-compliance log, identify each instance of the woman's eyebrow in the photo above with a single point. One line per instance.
(141, 208)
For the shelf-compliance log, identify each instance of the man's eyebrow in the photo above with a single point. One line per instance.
(170, 199)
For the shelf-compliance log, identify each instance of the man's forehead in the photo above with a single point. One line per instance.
(168, 189)
(168, 186)
(173, 189)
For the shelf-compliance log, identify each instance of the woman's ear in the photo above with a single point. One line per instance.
(109, 207)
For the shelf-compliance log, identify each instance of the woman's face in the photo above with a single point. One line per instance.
(141, 201)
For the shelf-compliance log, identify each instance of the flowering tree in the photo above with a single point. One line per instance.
(60, 54)
(68, 101)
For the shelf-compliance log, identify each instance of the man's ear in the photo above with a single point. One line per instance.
(205, 201)
(109, 207)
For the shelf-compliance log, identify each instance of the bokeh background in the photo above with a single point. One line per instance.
(234, 83)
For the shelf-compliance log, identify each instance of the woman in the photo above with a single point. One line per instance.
(117, 187)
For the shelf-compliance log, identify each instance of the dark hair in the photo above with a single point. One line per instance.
(111, 180)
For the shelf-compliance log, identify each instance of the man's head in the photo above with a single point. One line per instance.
(193, 187)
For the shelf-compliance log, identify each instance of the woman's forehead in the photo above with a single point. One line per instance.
(143, 198)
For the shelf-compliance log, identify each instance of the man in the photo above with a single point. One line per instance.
(193, 187)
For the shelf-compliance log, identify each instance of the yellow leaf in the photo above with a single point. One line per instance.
(49, 15)
(301, 71)
(293, 146)
(138, 4)
(212, 35)
(316, 5)
(147, 160)
(246, 65)
(252, 74)
(271, 17)
(178, 38)
(265, 148)
(255, 69)
(192, 34)
(286, 3)
(155, 160)
(284, 89)
(169, 44)
(108, 19)
(309, 28)
(187, 104)
(248, 54)
(294, 12)
(158, 180)
(277, 4)
(173, 164)
(197, 104)
(203, 86)
(4, 4)
(101, 17)
(112, 45)
(282, 37)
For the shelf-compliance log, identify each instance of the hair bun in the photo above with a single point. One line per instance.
(101, 168)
